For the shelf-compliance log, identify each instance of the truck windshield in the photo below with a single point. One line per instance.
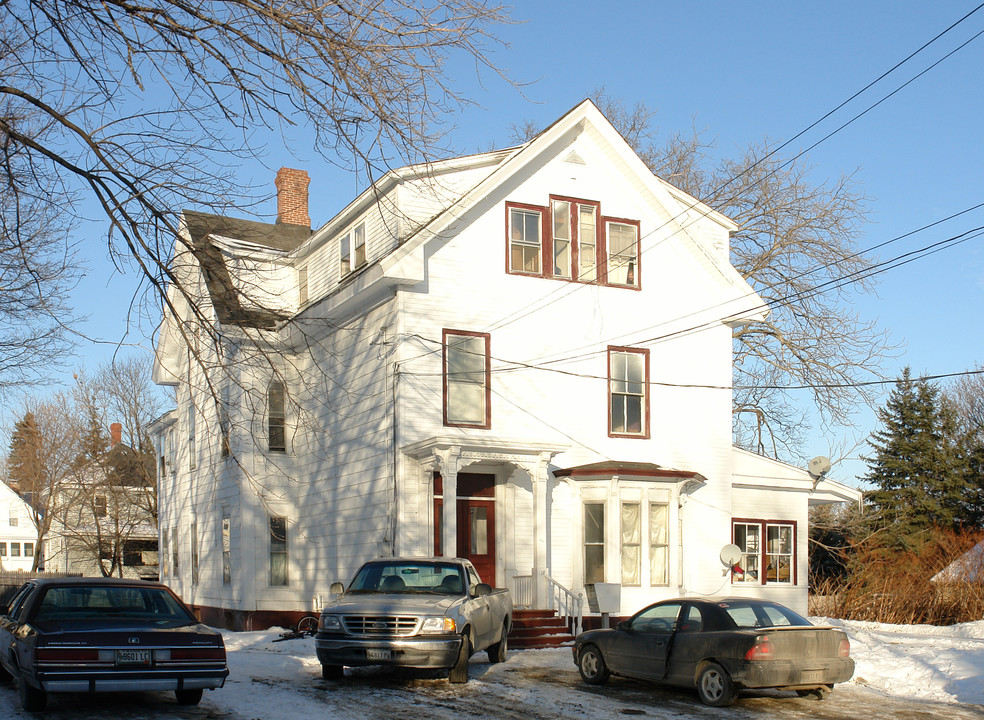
(404, 576)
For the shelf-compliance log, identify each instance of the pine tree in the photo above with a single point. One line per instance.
(916, 467)
(25, 464)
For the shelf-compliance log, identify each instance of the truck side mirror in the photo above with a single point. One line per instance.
(336, 588)
(482, 589)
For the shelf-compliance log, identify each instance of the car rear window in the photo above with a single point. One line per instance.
(757, 615)
(111, 603)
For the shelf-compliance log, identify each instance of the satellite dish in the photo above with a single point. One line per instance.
(818, 467)
(730, 555)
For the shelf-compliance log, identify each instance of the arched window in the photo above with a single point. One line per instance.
(276, 436)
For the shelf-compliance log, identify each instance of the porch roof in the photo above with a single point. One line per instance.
(609, 468)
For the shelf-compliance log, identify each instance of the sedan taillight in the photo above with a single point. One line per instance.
(66, 655)
(763, 649)
(844, 649)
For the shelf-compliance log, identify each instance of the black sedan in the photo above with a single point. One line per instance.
(103, 635)
(719, 646)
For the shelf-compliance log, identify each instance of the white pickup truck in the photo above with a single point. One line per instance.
(412, 612)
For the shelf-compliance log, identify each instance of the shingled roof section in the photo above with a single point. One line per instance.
(222, 291)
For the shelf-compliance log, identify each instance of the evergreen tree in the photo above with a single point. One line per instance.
(916, 467)
(25, 465)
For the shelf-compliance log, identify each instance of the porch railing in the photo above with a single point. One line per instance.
(569, 605)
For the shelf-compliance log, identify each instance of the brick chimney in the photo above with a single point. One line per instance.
(292, 197)
(115, 434)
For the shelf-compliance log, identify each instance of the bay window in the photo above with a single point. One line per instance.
(659, 544)
(467, 379)
(594, 542)
(631, 544)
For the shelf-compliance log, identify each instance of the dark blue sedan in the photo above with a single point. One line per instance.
(104, 635)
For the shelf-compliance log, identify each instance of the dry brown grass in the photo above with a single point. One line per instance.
(892, 586)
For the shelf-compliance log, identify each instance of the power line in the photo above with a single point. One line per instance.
(570, 289)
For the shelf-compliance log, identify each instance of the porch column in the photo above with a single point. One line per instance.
(539, 474)
(451, 461)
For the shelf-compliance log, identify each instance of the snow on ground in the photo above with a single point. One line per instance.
(945, 664)
(282, 681)
(942, 664)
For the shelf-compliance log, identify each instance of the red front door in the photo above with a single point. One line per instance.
(476, 535)
(476, 521)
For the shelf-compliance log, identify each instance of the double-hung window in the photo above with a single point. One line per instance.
(352, 250)
(276, 417)
(659, 545)
(594, 542)
(194, 552)
(574, 240)
(768, 552)
(226, 549)
(525, 238)
(278, 551)
(628, 392)
(569, 239)
(302, 286)
(631, 544)
(623, 253)
(467, 379)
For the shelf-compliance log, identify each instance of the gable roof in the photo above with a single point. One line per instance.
(744, 303)
(969, 567)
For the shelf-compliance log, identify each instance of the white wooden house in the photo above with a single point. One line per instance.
(542, 333)
(18, 534)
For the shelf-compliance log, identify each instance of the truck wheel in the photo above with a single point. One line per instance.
(497, 651)
(332, 672)
(459, 671)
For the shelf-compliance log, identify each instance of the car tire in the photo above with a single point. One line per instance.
(715, 687)
(459, 671)
(188, 697)
(591, 665)
(32, 699)
(497, 651)
(332, 672)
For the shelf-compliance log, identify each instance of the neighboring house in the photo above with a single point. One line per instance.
(103, 518)
(18, 534)
(968, 568)
(541, 333)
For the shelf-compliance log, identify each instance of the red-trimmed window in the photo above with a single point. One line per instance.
(571, 240)
(524, 238)
(467, 379)
(623, 252)
(628, 392)
(768, 552)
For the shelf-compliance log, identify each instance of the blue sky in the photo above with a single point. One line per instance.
(741, 72)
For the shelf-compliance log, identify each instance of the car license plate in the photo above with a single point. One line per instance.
(808, 676)
(378, 654)
(133, 657)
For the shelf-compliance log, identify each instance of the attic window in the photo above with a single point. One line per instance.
(571, 240)
(352, 250)
(302, 286)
